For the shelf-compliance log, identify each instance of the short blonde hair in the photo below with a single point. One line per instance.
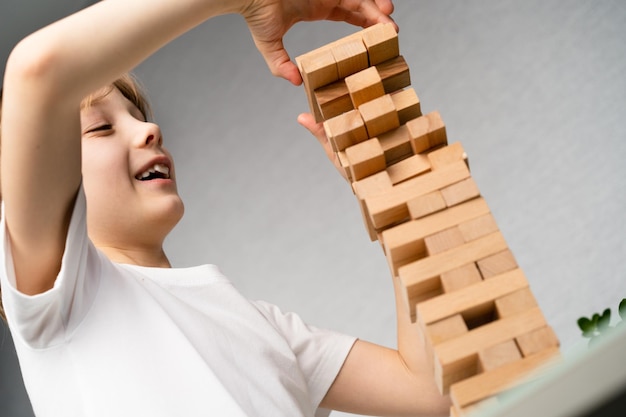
(130, 88)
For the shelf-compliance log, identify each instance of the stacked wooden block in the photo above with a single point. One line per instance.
(471, 303)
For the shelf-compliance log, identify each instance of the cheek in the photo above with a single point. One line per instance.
(103, 166)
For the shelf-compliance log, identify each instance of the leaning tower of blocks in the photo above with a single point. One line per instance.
(469, 300)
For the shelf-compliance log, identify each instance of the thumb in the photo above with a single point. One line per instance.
(278, 61)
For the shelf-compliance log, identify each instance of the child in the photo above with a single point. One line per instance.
(101, 322)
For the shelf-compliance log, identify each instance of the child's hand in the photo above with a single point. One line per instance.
(269, 20)
(317, 129)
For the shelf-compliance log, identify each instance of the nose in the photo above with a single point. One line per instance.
(149, 135)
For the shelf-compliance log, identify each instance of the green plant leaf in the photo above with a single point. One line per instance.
(604, 320)
(586, 325)
(622, 309)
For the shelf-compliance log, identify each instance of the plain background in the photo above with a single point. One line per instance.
(535, 91)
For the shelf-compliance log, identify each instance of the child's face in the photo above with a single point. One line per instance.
(128, 176)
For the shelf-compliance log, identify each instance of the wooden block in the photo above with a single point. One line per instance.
(445, 329)
(478, 407)
(333, 100)
(419, 274)
(446, 155)
(472, 300)
(345, 165)
(456, 358)
(379, 115)
(366, 158)
(491, 383)
(496, 264)
(498, 355)
(396, 145)
(376, 184)
(460, 277)
(515, 303)
(364, 86)
(426, 204)
(395, 74)
(537, 340)
(345, 130)
(427, 132)
(351, 57)
(404, 243)
(392, 208)
(319, 69)
(443, 241)
(478, 227)
(381, 42)
(408, 168)
(460, 192)
(407, 104)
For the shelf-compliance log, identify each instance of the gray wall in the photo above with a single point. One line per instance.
(533, 90)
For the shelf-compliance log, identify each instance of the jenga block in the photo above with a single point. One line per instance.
(407, 105)
(537, 340)
(496, 264)
(333, 100)
(478, 227)
(515, 303)
(427, 132)
(379, 115)
(446, 155)
(351, 57)
(366, 158)
(443, 241)
(392, 208)
(381, 42)
(456, 358)
(396, 145)
(419, 274)
(408, 168)
(460, 277)
(426, 204)
(345, 165)
(364, 86)
(478, 407)
(404, 243)
(445, 329)
(460, 192)
(395, 74)
(470, 301)
(498, 355)
(491, 383)
(373, 185)
(320, 69)
(345, 130)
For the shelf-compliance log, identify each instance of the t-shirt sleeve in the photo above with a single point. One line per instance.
(46, 319)
(320, 352)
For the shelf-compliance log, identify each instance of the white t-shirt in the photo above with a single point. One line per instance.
(120, 340)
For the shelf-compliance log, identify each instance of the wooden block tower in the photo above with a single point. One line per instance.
(468, 298)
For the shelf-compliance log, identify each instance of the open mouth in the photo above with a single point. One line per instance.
(157, 171)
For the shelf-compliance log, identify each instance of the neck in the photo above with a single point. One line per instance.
(142, 257)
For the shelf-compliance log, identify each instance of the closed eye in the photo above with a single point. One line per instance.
(100, 128)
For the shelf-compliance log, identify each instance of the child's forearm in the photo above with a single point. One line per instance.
(91, 48)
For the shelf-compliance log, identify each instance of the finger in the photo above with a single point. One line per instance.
(278, 61)
(317, 129)
(363, 13)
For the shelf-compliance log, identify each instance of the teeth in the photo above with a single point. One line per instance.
(163, 169)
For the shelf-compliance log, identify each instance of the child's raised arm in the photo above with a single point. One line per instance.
(51, 71)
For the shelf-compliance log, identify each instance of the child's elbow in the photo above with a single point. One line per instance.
(32, 63)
